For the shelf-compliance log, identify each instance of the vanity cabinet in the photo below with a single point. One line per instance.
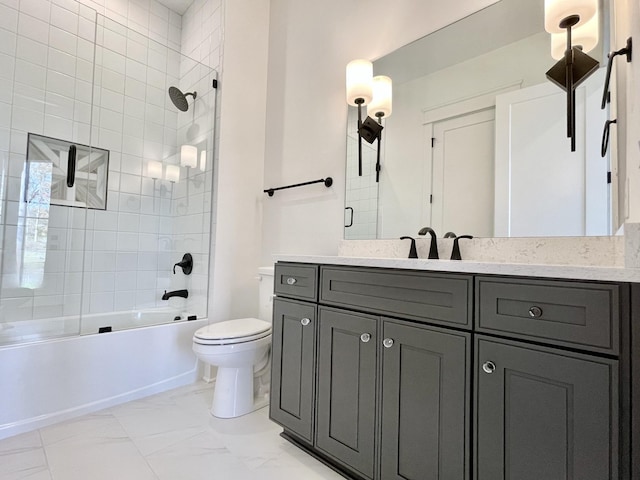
(346, 399)
(425, 402)
(544, 413)
(293, 342)
(383, 385)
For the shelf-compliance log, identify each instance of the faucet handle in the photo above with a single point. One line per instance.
(413, 252)
(455, 253)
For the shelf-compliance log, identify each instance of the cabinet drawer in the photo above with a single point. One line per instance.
(296, 281)
(437, 298)
(565, 313)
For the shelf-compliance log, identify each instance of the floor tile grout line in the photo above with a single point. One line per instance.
(155, 474)
(44, 452)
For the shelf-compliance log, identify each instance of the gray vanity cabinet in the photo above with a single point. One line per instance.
(543, 413)
(425, 400)
(346, 399)
(384, 385)
(293, 342)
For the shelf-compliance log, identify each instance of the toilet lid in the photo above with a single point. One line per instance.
(232, 331)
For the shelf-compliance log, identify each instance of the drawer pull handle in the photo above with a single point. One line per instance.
(489, 367)
(365, 337)
(535, 312)
(387, 342)
(305, 322)
(291, 281)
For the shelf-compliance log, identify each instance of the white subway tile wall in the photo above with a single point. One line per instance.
(120, 258)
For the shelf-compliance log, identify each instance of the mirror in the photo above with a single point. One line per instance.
(476, 143)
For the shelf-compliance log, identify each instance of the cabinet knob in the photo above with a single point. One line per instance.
(489, 367)
(305, 322)
(365, 337)
(535, 312)
(291, 281)
(387, 342)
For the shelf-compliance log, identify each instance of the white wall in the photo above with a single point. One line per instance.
(239, 198)
(627, 24)
(310, 44)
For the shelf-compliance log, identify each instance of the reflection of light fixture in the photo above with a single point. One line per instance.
(154, 169)
(172, 173)
(203, 160)
(189, 156)
(585, 36)
(359, 93)
(189, 159)
(576, 66)
(379, 107)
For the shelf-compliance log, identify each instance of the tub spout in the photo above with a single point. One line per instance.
(175, 293)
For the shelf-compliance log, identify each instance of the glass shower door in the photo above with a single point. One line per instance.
(46, 78)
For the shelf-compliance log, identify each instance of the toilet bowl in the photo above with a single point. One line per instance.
(241, 350)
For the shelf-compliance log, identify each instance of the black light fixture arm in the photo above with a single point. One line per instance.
(379, 146)
(359, 102)
(571, 95)
(569, 72)
(327, 183)
(623, 51)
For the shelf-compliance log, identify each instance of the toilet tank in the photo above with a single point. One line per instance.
(266, 293)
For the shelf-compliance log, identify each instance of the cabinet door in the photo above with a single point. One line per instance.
(544, 414)
(292, 366)
(346, 406)
(425, 400)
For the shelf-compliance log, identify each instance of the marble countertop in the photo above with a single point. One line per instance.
(581, 272)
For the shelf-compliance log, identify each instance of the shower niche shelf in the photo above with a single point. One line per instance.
(59, 172)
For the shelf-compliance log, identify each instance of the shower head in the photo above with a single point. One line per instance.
(179, 99)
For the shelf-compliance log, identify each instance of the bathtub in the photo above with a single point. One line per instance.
(47, 381)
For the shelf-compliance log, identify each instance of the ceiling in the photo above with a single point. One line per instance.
(178, 6)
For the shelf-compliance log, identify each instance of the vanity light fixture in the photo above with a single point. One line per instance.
(359, 93)
(379, 108)
(575, 66)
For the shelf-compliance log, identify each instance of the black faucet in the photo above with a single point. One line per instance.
(175, 293)
(450, 235)
(413, 253)
(455, 253)
(433, 249)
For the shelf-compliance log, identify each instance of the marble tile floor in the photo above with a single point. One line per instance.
(169, 436)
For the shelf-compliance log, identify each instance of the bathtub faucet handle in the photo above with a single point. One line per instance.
(186, 264)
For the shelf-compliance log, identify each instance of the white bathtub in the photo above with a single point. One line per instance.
(44, 382)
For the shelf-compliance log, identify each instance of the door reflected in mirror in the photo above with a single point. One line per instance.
(477, 140)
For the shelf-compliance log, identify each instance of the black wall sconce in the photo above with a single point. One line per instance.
(375, 93)
(359, 93)
(578, 19)
(379, 108)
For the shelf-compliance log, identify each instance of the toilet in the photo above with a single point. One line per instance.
(241, 351)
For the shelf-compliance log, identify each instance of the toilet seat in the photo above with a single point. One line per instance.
(230, 332)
